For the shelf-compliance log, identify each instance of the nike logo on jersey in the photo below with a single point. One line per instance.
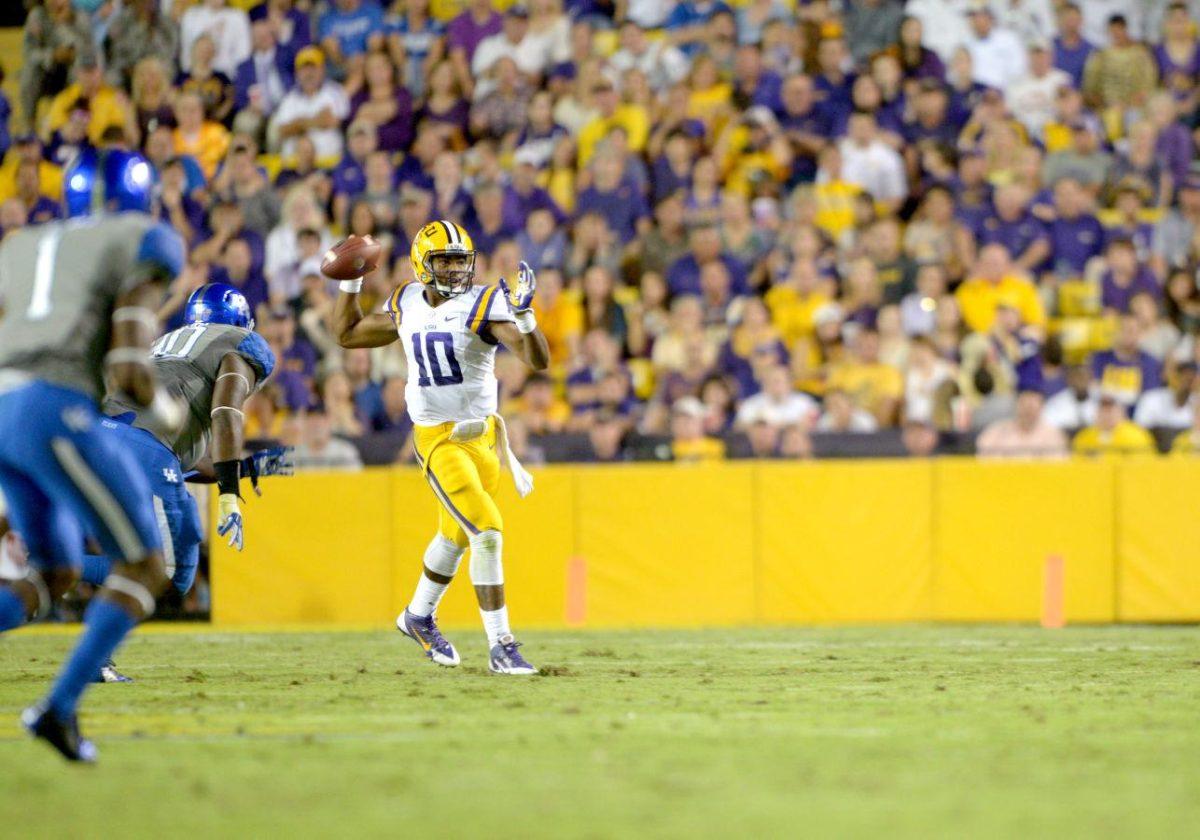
(451, 318)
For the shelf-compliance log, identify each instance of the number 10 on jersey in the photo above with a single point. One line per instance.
(428, 362)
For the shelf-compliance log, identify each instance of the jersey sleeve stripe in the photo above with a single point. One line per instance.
(484, 309)
(475, 307)
(393, 301)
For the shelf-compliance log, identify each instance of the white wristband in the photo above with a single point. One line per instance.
(526, 322)
(351, 287)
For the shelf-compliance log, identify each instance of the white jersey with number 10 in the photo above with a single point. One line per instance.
(451, 352)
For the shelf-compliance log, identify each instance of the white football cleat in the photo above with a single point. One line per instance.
(506, 659)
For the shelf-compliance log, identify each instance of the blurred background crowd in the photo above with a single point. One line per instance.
(767, 228)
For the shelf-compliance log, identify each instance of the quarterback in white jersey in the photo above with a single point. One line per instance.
(451, 352)
(450, 329)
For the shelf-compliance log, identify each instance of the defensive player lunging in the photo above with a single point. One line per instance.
(78, 301)
(211, 365)
(450, 329)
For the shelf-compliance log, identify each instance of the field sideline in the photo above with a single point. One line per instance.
(908, 731)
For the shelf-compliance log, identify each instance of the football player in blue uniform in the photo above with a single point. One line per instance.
(211, 365)
(78, 299)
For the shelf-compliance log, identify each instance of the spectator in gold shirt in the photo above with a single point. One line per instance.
(1188, 442)
(1112, 433)
(688, 441)
(107, 106)
(1122, 74)
(875, 386)
(994, 282)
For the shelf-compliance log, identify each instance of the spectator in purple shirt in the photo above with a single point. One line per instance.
(524, 196)
(349, 177)
(226, 222)
(464, 34)
(833, 82)
(391, 415)
(1127, 371)
(384, 101)
(445, 105)
(1174, 144)
(752, 83)
(1071, 50)
(542, 242)
(1179, 34)
(1075, 234)
(416, 168)
(805, 123)
(704, 246)
(917, 60)
(1125, 277)
(672, 171)
(622, 206)
(297, 360)
(487, 225)
(930, 122)
(291, 26)
(237, 269)
(1014, 227)
(972, 191)
(39, 208)
(368, 396)
(541, 133)
(450, 197)
(1130, 222)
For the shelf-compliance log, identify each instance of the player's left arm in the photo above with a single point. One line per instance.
(235, 382)
(522, 335)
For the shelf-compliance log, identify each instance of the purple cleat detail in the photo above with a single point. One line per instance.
(507, 659)
(424, 631)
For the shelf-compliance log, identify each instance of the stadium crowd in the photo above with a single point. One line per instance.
(756, 226)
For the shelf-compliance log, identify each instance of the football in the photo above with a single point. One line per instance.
(351, 258)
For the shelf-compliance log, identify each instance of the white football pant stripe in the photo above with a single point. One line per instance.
(98, 496)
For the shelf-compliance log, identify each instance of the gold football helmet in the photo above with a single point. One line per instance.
(443, 256)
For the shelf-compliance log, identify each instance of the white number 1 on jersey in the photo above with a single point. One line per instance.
(43, 275)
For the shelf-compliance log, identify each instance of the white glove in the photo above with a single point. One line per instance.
(229, 520)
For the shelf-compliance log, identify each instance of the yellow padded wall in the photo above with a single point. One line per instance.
(318, 550)
(669, 545)
(998, 521)
(845, 541)
(1158, 539)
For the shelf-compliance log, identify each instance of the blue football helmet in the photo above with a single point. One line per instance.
(219, 303)
(112, 179)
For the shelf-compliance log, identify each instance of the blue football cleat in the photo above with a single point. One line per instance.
(110, 674)
(506, 659)
(62, 734)
(425, 632)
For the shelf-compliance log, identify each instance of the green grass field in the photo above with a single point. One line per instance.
(908, 732)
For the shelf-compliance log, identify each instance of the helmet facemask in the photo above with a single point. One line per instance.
(450, 272)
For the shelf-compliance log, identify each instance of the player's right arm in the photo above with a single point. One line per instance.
(135, 325)
(134, 328)
(354, 329)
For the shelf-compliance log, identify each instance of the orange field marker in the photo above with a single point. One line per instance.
(575, 606)
(1052, 593)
